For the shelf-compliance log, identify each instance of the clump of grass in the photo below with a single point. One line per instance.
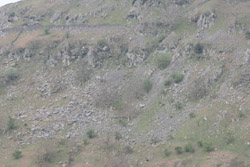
(163, 92)
(46, 155)
(12, 14)
(192, 115)
(247, 34)
(91, 134)
(200, 143)
(147, 85)
(101, 43)
(11, 125)
(198, 48)
(178, 150)
(168, 82)
(178, 106)
(155, 140)
(208, 147)
(118, 136)
(11, 74)
(123, 122)
(189, 148)
(177, 78)
(161, 38)
(241, 114)
(128, 150)
(163, 61)
(17, 154)
(46, 31)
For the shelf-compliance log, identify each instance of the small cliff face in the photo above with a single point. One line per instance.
(125, 83)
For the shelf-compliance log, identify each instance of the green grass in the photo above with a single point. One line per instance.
(115, 17)
(225, 136)
(182, 25)
(147, 116)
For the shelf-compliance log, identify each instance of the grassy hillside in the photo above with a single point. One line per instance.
(140, 83)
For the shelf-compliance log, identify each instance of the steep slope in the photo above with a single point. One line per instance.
(125, 83)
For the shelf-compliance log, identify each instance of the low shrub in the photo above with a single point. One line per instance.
(12, 14)
(208, 147)
(163, 92)
(46, 31)
(118, 136)
(155, 140)
(189, 148)
(178, 78)
(192, 115)
(178, 150)
(11, 125)
(17, 155)
(200, 143)
(163, 61)
(168, 82)
(101, 43)
(198, 48)
(247, 35)
(128, 150)
(147, 85)
(46, 156)
(161, 38)
(11, 74)
(241, 114)
(178, 106)
(91, 134)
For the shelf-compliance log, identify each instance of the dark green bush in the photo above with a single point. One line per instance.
(11, 74)
(91, 134)
(46, 31)
(178, 78)
(13, 14)
(11, 125)
(163, 61)
(198, 48)
(147, 85)
(101, 43)
(189, 148)
(118, 136)
(178, 150)
(168, 82)
(241, 114)
(17, 155)
(247, 35)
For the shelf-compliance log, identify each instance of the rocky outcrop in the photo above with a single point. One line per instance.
(204, 21)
